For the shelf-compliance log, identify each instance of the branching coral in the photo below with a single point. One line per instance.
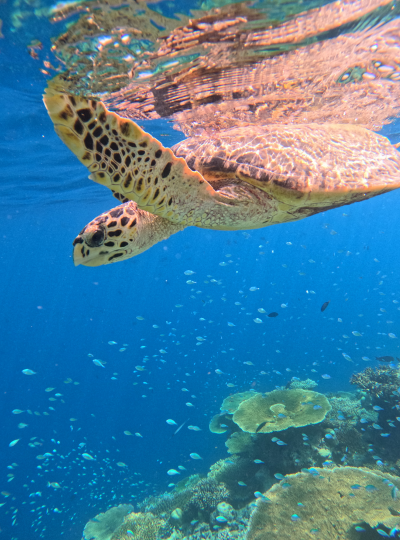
(206, 494)
(346, 410)
(307, 384)
(381, 382)
(199, 494)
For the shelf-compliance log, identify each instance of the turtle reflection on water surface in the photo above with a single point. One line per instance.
(240, 178)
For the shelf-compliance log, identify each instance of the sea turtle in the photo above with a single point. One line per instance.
(240, 178)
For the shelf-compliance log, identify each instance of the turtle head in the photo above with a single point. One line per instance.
(119, 234)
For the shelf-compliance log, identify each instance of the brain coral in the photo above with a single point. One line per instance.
(281, 409)
(335, 502)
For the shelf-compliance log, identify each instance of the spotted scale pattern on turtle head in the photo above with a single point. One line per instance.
(130, 162)
(119, 234)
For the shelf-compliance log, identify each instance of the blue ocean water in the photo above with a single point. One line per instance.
(55, 319)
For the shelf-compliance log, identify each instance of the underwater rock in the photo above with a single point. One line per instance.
(280, 410)
(103, 525)
(332, 503)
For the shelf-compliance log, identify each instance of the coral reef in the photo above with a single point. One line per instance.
(206, 495)
(103, 525)
(224, 469)
(281, 409)
(253, 477)
(307, 384)
(326, 503)
(344, 409)
(226, 511)
(232, 402)
(239, 443)
(351, 444)
(381, 382)
(139, 526)
(220, 423)
(166, 503)
(196, 498)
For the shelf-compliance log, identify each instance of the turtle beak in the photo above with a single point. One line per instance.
(88, 245)
(79, 256)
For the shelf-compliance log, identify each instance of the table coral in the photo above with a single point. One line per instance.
(103, 525)
(139, 526)
(333, 503)
(231, 403)
(280, 410)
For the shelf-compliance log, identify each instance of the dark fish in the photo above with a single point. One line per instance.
(273, 314)
(261, 426)
(385, 358)
(325, 305)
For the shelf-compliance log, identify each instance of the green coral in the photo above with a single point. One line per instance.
(224, 469)
(352, 410)
(280, 410)
(239, 443)
(333, 503)
(197, 495)
(206, 495)
(218, 422)
(307, 384)
(187, 482)
(381, 382)
(103, 525)
(231, 403)
(139, 526)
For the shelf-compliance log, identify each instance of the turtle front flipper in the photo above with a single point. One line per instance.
(130, 162)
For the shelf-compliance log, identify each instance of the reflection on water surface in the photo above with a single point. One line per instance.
(236, 64)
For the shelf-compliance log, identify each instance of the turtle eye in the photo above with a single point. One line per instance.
(96, 239)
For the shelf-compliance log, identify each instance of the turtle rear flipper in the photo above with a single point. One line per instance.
(130, 162)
